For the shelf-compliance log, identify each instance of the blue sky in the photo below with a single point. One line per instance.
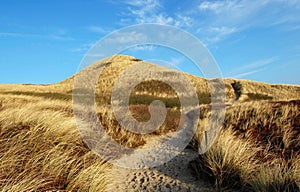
(45, 41)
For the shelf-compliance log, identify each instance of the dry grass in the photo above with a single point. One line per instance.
(41, 148)
(227, 162)
(277, 175)
(257, 150)
(251, 89)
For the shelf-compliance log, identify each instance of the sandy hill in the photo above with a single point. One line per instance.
(253, 90)
(114, 66)
(258, 148)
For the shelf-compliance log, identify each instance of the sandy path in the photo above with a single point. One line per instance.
(171, 176)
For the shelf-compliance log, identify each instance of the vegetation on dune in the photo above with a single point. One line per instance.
(258, 148)
(42, 150)
(274, 92)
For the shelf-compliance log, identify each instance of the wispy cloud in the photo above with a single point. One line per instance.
(143, 48)
(240, 15)
(152, 11)
(177, 61)
(127, 37)
(245, 74)
(83, 48)
(98, 29)
(252, 68)
(217, 6)
(5, 34)
(145, 4)
(224, 18)
(215, 21)
(45, 36)
(212, 20)
(219, 33)
(257, 64)
(59, 38)
(232, 12)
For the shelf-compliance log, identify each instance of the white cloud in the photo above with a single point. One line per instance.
(243, 14)
(94, 55)
(259, 63)
(146, 4)
(214, 21)
(83, 48)
(234, 8)
(176, 61)
(248, 73)
(151, 11)
(98, 29)
(142, 10)
(127, 37)
(45, 36)
(251, 68)
(223, 30)
(216, 6)
(228, 17)
(184, 20)
(4, 34)
(162, 19)
(143, 48)
(216, 34)
(59, 38)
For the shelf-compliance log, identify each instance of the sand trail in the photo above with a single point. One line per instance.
(174, 175)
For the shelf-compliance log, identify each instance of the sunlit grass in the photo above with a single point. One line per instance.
(42, 149)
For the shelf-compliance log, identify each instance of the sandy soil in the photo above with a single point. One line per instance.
(171, 176)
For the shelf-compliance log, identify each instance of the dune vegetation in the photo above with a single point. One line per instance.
(258, 148)
(41, 149)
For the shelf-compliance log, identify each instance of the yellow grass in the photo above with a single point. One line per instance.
(41, 148)
(228, 161)
(258, 148)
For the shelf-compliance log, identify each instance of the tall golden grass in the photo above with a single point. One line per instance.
(258, 148)
(41, 149)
